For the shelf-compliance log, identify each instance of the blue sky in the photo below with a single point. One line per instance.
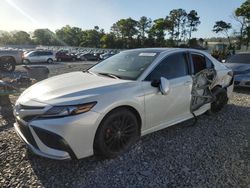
(28, 15)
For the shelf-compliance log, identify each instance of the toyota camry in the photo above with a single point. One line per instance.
(107, 108)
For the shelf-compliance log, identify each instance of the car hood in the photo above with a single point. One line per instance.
(239, 68)
(69, 89)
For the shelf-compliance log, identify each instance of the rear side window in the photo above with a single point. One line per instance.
(40, 53)
(199, 62)
(173, 66)
(209, 63)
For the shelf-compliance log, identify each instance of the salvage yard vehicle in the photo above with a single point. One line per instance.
(39, 57)
(9, 59)
(105, 110)
(240, 64)
(65, 56)
(89, 57)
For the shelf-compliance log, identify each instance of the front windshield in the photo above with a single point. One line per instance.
(240, 59)
(125, 65)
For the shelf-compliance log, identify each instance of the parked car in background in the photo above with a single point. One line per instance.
(106, 109)
(9, 59)
(240, 64)
(88, 57)
(39, 57)
(106, 55)
(65, 56)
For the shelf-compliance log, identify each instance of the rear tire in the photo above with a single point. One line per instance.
(117, 133)
(220, 100)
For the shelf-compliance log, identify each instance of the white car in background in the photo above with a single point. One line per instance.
(240, 64)
(106, 109)
(39, 57)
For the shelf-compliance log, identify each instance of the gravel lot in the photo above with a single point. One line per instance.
(215, 152)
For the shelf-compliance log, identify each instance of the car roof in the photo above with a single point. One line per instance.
(156, 50)
(165, 50)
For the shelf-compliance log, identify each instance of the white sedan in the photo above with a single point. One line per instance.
(106, 109)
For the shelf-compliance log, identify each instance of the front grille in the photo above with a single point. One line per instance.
(30, 107)
(236, 82)
(26, 133)
(29, 118)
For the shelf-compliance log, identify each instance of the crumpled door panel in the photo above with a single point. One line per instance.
(201, 93)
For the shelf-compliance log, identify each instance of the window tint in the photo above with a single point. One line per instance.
(39, 53)
(33, 54)
(209, 63)
(173, 66)
(199, 62)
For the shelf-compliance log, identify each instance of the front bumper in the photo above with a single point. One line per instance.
(242, 80)
(69, 137)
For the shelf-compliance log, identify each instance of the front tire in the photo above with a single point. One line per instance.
(8, 66)
(117, 133)
(50, 61)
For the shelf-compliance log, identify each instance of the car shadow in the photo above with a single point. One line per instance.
(172, 154)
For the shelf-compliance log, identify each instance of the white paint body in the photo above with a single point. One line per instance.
(156, 111)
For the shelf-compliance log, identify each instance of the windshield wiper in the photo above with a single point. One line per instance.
(109, 75)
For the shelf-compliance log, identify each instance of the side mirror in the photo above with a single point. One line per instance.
(164, 86)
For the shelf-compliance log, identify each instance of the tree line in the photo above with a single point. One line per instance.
(242, 34)
(174, 30)
(125, 33)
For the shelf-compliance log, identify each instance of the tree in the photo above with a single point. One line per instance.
(242, 15)
(6, 38)
(69, 35)
(21, 37)
(126, 29)
(246, 35)
(44, 37)
(144, 25)
(175, 23)
(223, 27)
(90, 38)
(157, 32)
(192, 22)
(108, 41)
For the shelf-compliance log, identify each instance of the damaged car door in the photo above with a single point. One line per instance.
(203, 76)
(167, 108)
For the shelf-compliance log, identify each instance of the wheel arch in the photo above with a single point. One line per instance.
(132, 109)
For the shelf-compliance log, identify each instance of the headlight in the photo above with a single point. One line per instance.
(59, 111)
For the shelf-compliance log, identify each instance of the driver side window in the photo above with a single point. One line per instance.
(173, 66)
